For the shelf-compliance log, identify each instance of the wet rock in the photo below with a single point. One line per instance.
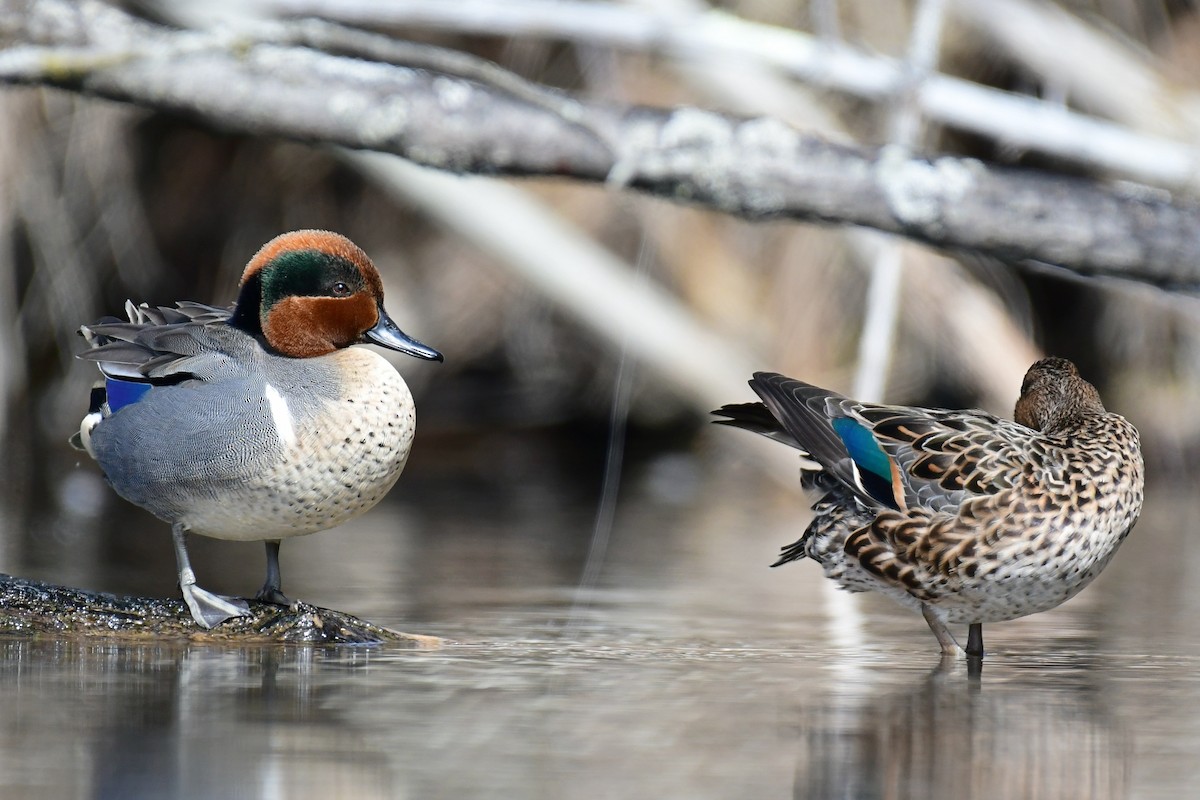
(34, 608)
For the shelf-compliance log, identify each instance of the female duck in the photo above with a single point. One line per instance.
(259, 422)
(961, 515)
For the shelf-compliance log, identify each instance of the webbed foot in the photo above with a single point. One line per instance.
(946, 640)
(210, 610)
(272, 594)
(272, 588)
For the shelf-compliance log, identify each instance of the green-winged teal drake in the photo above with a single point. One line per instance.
(963, 516)
(259, 422)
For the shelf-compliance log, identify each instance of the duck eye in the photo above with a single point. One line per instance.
(340, 289)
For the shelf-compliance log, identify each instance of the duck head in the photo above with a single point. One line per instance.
(309, 293)
(1054, 396)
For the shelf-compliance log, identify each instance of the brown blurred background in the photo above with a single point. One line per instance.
(100, 202)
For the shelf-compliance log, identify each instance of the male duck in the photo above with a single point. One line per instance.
(964, 516)
(259, 422)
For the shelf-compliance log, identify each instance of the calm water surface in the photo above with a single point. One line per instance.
(689, 670)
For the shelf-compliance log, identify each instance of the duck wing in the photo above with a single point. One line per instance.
(162, 345)
(893, 457)
(944, 458)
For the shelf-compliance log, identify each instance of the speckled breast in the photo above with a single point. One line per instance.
(1046, 563)
(1062, 537)
(1015, 553)
(337, 456)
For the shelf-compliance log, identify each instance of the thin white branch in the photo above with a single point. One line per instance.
(1097, 70)
(1028, 123)
(876, 342)
(921, 61)
(824, 16)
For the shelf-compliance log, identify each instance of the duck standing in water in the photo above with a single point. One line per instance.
(963, 516)
(259, 422)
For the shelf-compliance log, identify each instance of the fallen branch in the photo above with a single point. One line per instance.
(693, 32)
(756, 168)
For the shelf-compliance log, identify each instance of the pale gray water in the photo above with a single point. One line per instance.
(692, 671)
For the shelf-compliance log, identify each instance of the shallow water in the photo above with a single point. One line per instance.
(689, 670)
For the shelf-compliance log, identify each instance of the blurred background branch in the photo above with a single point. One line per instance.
(251, 78)
(690, 31)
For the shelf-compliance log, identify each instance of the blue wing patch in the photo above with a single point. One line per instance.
(124, 393)
(874, 466)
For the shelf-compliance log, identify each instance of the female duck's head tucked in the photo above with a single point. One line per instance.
(1055, 397)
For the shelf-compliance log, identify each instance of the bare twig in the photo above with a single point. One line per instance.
(756, 168)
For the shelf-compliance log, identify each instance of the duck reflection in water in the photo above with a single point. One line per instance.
(1034, 734)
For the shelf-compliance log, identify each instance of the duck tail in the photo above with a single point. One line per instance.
(755, 417)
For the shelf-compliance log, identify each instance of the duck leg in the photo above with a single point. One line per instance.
(944, 636)
(272, 589)
(208, 609)
(975, 640)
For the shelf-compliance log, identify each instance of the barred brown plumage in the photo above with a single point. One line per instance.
(988, 519)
